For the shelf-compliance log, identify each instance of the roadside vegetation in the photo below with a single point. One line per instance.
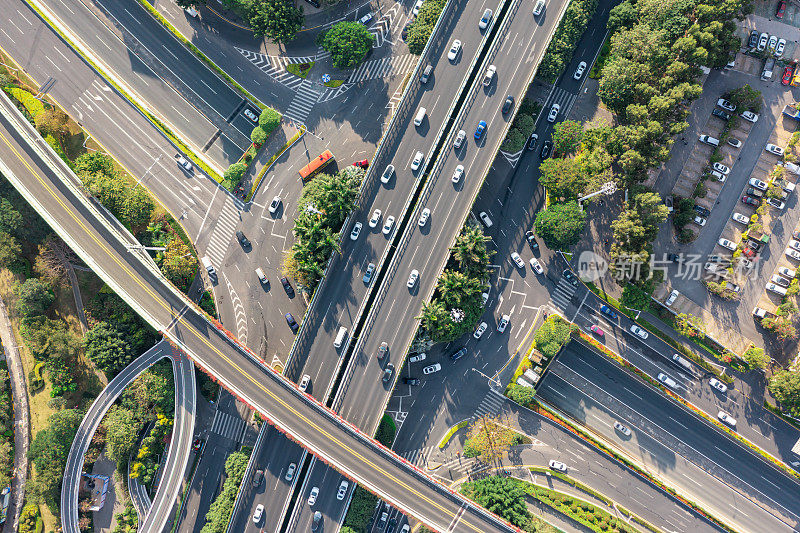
(219, 514)
(324, 205)
(559, 52)
(421, 27)
(522, 127)
(456, 305)
(506, 497)
(362, 505)
(348, 42)
(277, 20)
(268, 121)
(489, 439)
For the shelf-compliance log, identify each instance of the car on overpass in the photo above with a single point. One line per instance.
(480, 130)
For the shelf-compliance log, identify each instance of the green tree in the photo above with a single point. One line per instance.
(48, 452)
(504, 496)
(560, 225)
(689, 326)
(755, 357)
(105, 347)
(179, 265)
(152, 392)
(362, 505)
(782, 326)
(258, 136)
(489, 439)
(122, 427)
(785, 387)
(233, 175)
(421, 27)
(34, 298)
(10, 218)
(623, 15)
(92, 163)
(386, 431)
(136, 208)
(219, 513)
(278, 20)
(635, 298)
(348, 43)
(745, 98)
(567, 136)
(551, 336)
(563, 178)
(10, 250)
(521, 395)
(269, 120)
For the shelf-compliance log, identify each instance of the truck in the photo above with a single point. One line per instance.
(791, 111)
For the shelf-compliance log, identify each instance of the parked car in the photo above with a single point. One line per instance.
(721, 114)
(752, 42)
(485, 219)
(517, 260)
(365, 20)
(417, 358)
(639, 332)
(536, 266)
(725, 243)
(728, 419)
(342, 492)
(774, 202)
(532, 242)
(411, 381)
(430, 369)
(726, 105)
(672, 297)
(733, 141)
(780, 280)
(719, 167)
(700, 221)
(794, 254)
(702, 210)
(458, 355)
(794, 244)
(287, 287)
(717, 384)
(364, 163)
(749, 116)
(780, 10)
(758, 184)
(774, 149)
(762, 42)
(738, 217)
(788, 72)
(749, 200)
(788, 272)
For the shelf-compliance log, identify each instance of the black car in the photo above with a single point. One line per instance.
(570, 277)
(293, 325)
(404, 32)
(244, 241)
(753, 41)
(702, 210)
(388, 372)
(458, 355)
(546, 148)
(532, 141)
(411, 381)
(287, 286)
(508, 104)
(532, 241)
(721, 114)
(675, 258)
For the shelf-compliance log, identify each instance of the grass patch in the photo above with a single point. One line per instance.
(299, 69)
(333, 83)
(451, 432)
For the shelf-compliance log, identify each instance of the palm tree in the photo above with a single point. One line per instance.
(470, 251)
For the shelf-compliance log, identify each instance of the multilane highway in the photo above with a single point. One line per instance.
(48, 184)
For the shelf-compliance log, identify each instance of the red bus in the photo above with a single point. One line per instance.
(316, 164)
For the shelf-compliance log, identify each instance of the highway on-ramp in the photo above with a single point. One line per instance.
(51, 188)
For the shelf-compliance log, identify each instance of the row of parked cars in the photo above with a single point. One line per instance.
(765, 41)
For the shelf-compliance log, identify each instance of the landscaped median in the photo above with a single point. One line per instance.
(550, 337)
(452, 431)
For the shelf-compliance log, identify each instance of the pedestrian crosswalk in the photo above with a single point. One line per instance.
(490, 406)
(383, 68)
(562, 98)
(228, 426)
(222, 234)
(304, 100)
(563, 294)
(417, 457)
(275, 66)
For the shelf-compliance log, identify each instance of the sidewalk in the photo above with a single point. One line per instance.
(22, 424)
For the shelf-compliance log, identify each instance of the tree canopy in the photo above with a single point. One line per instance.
(348, 42)
(277, 20)
(560, 225)
(785, 387)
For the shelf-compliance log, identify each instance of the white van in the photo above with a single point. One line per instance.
(340, 337)
(531, 375)
(261, 277)
(208, 266)
(420, 116)
(683, 362)
(538, 8)
(666, 380)
(708, 139)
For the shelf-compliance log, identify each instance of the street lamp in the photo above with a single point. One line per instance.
(607, 188)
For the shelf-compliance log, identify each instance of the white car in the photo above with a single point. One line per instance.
(387, 174)
(417, 161)
(342, 492)
(290, 471)
(485, 219)
(275, 204)
(759, 312)
(717, 384)
(666, 380)
(728, 419)
(430, 369)
(738, 217)
(788, 272)
(417, 358)
(356, 231)
(183, 163)
(774, 202)
(412, 279)
(376, 217)
(580, 70)
(726, 105)
(503, 324)
(312, 496)
(794, 254)
(719, 176)
(719, 167)
(553, 114)
(489, 76)
(455, 48)
(304, 382)
(387, 227)
(485, 19)
(458, 173)
(780, 47)
(484, 298)
(794, 244)
(405, 529)
(249, 114)
(418, 5)
(424, 216)
(366, 19)
(672, 297)
(750, 116)
(622, 429)
(725, 243)
(700, 221)
(557, 465)
(736, 143)
(536, 266)
(481, 328)
(639, 332)
(773, 42)
(459, 140)
(762, 41)
(773, 149)
(758, 184)
(517, 260)
(776, 289)
(259, 512)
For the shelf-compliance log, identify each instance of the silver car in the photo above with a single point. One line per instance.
(417, 162)
(459, 140)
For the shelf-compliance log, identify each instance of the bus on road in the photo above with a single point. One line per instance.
(316, 164)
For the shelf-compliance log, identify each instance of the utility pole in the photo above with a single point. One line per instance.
(606, 188)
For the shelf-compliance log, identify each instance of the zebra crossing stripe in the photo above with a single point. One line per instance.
(222, 234)
(302, 103)
(383, 68)
(227, 426)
